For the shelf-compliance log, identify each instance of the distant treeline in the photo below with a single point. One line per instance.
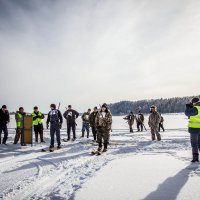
(171, 105)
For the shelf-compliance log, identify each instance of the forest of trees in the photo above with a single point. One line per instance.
(171, 105)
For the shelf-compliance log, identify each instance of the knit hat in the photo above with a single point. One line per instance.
(4, 106)
(105, 105)
(53, 106)
(35, 108)
(195, 100)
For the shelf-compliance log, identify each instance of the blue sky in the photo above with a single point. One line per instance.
(88, 52)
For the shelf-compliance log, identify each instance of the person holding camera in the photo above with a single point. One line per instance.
(193, 113)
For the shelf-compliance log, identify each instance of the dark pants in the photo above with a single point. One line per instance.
(85, 127)
(131, 128)
(18, 135)
(94, 132)
(38, 129)
(161, 126)
(73, 127)
(55, 129)
(103, 135)
(5, 131)
(140, 126)
(195, 142)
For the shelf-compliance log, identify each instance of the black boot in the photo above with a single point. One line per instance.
(105, 147)
(195, 157)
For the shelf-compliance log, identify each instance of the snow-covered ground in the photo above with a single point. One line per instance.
(133, 168)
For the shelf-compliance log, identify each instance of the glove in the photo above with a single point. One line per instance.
(47, 126)
(60, 125)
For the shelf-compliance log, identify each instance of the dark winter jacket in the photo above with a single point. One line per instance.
(140, 118)
(54, 116)
(70, 116)
(192, 111)
(4, 117)
(92, 118)
(85, 117)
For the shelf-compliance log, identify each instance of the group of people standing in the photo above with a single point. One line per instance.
(155, 122)
(100, 121)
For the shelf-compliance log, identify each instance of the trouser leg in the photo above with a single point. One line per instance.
(94, 132)
(158, 136)
(88, 129)
(68, 131)
(40, 130)
(106, 137)
(99, 137)
(57, 129)
(36, 133)
(83, 129)
(1, 129)
(153, 137)
(141, 125)
(5, 130)
(161, 125)
(138, 126)
(74, 130)
(52, 133)
(194, 139)
(17, 136)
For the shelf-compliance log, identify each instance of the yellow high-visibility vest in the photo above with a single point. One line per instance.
(18, 123)
(194, 121)
(38, 120)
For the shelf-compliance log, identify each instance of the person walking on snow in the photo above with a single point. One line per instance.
(71, 115)
(86, 123)
(130, 119)
(55, 119)
(103, 123)
(193, 113)
(19, 117)
(92, 118)
(140, 121)
(154, 120)
(161, 124)
(38, 125)
(4, 120)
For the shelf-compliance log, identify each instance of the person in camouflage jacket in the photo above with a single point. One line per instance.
(103, 123)
(130, 119)
(154, 120)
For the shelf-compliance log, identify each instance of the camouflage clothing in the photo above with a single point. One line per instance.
(85, 117)
(130, 119)
(103, 123)
(154, 120)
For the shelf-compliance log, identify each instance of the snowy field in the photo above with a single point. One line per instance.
(133, 168)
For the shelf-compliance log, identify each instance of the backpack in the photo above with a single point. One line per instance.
(54, 116)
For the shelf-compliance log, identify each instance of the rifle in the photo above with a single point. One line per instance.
(58, 105)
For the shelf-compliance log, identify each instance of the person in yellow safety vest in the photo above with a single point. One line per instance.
(193, 113)
(38, 125)
(19, 123)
